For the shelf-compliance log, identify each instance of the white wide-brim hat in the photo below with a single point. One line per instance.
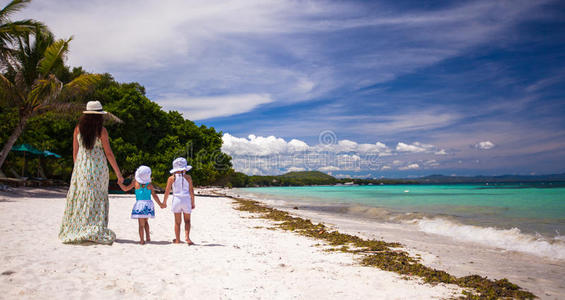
(180, 164)
(94, 107)
(143, 175)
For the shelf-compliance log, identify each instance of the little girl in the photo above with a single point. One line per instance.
(183, 197)
(143, 207)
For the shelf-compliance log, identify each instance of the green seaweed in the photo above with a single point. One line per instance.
(381, 254)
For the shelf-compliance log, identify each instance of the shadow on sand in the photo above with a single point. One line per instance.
(123, 241)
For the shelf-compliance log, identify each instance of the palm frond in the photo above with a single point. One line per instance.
(74, 109)
(69, 108)
(22, 27)
(54, 54)
(8, 94)
(12, 8)
(111, 118)
(44, 92)
(80, 86)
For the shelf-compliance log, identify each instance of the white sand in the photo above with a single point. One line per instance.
(232, 259)
(540, 275)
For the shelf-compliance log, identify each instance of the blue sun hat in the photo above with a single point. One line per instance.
(180, 164)
(143, 175)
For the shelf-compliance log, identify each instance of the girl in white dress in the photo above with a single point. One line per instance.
(183, 197)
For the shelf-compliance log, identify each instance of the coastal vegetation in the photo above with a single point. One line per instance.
(384, 255)
(299, 178)
(303, 178)
(147, 135)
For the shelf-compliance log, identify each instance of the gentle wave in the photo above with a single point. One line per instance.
(508, 239)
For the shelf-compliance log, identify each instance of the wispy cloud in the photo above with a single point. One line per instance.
(198, 108)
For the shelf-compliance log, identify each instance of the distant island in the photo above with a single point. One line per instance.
(304, 178)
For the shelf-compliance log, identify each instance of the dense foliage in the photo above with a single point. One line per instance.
(148, 135)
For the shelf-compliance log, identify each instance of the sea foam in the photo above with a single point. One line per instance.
(508, 239)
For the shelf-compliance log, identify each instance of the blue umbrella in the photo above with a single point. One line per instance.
(25, 148)
(48, 153)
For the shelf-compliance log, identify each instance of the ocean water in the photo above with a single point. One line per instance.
(521, 217)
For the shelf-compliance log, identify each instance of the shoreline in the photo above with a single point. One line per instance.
(236, 257)
(540, 275)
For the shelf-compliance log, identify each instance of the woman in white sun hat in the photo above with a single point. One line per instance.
(183, 197)
(86, 213)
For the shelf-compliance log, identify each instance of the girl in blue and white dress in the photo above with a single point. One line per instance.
(143, 209)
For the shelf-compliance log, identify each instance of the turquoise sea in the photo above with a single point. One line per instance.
(508, 213)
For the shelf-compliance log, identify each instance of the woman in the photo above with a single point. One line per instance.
(86, 213)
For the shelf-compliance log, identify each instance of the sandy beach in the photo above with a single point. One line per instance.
(540, 275)
(235, 257)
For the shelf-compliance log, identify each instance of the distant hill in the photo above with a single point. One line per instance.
(310, 175)
(302, 178)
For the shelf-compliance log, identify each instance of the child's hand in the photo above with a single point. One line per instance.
(163, 205)
(193, 206)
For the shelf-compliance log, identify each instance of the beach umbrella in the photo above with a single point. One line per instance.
(25, 148)
(48, 153)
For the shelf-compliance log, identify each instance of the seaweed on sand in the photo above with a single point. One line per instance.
(383, 255)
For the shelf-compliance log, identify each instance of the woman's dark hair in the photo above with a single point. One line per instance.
(90, 127)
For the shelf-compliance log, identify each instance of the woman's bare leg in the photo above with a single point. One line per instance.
(141, 223)
(147, 236)
(178, 220)
(187, 228)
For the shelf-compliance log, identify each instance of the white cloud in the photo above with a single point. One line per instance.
(199, 108)
(410, 167)
(273, 155)
(441, 152)
(415, 147)
(485, 145)
(295, 169)
(329, 168)
(431, 163)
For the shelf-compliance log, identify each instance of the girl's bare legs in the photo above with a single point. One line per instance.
(187, 228)
(147, 237)
(141, 223)
(178, 220)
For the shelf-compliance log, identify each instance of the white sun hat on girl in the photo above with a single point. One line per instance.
(94, 107)
(180, 164)
(143, 175)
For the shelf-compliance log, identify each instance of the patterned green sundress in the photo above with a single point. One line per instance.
(86, 213)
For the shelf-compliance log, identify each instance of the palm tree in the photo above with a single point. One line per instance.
(10, 31)
(31, 85)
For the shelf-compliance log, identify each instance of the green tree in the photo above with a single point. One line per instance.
(11, 30)
(31, 84)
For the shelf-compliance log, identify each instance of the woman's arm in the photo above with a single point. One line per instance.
(110, 154)
(168, 189)
(191, 189)
(75, 144)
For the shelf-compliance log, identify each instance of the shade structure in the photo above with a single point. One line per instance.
(47, 153)
(27, 148)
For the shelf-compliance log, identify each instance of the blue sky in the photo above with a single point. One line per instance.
(352, 88)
